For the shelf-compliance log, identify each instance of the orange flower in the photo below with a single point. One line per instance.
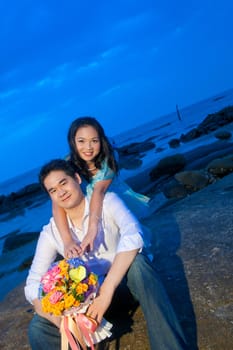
(66, 291)
(81, 288)
(92, 280)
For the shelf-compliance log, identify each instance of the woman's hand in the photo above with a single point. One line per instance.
(87, 244)
(72, 250)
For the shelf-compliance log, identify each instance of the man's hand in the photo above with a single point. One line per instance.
(120, 265)
(100, 305)
(38, 309)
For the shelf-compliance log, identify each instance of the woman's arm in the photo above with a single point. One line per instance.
(95, 211)
(71, 248)
(120, 266)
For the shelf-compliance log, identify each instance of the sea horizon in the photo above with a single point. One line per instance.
(192, 113)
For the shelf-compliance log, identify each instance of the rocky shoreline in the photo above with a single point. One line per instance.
(193, 252)
(192, 242)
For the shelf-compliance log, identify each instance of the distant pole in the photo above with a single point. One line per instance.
(178, 112)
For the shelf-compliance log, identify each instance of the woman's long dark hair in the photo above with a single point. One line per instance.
(106, 149)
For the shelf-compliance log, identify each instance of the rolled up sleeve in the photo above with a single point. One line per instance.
(130, 230)
(45, 254)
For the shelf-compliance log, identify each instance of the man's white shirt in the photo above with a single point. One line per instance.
(119, 231)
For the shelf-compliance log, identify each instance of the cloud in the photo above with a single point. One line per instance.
(19, 130)
(8, 93)
(87, 67)
(133, 22)
(109, 54)
(113, 51)
(109, 91)
(35, 37)
(56, 77)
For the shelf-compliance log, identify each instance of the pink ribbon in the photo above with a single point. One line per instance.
(75, 330)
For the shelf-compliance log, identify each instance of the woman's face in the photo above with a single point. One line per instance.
(87, 143)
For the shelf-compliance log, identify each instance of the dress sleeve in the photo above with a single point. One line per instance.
(105, 173)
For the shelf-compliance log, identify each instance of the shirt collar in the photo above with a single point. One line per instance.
(85, 217)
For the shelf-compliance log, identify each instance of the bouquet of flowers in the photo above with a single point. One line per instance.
(67, 289)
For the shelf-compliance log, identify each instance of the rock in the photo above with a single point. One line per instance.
(174, 143)
(174, 189)
(221, 166)
(30, 189)
(193, 240)
(136, 147)
(129, 155)
(160, 178)
(24, 198)
(129, 162)
(218, 119)
(193, 179)
(15, 240)
(210, 123)
(193, 247)
(159, 149)
(223, 135)
(168, 165)
(15, 315)
(200, 170)
(191, 135)
(199, 158)
(26, 264)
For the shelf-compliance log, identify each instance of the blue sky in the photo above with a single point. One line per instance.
(124, 62)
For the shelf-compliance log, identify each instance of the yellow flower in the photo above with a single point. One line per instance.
(55, 309)
(58, 308)
(64, 266)
(77, 274)
(69, 301)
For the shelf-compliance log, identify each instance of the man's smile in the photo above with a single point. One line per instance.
(66, 197)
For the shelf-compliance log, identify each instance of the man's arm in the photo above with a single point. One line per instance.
(130, 229)
(120, 266)
(38, 309)
(45, 254)
(130, 243)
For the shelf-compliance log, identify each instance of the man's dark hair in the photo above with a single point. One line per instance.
(56, 165)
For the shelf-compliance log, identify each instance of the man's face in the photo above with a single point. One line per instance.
(63, 189)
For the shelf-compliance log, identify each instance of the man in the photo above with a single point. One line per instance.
(117, 252)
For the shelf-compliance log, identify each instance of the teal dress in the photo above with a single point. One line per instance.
(136, 202)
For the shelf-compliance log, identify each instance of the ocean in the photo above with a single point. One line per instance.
(31, 220)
